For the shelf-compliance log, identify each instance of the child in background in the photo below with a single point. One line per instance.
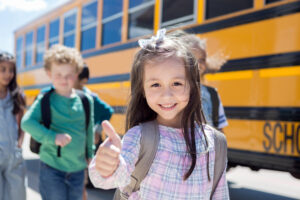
(12, 105)
(102, 111)
(214, 116)
(165, 87)
(62, 177)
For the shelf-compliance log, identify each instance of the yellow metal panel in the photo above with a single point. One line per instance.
(276, 72)
(273, 36)
(230, 75)
(258, 4)
(112, 63)
(269, 90)
(99, 24)
(157, 15)
(124, 29)
(201, 11)
(33, 77)
(282, 138)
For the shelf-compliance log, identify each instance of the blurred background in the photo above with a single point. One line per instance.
(259, 84)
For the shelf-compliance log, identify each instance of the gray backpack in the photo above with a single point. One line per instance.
(149, 144)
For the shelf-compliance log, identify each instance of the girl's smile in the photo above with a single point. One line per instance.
(167, 107)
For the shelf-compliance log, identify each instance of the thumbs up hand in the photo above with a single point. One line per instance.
(107, 157)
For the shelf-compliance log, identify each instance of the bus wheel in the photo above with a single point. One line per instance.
(295, 175)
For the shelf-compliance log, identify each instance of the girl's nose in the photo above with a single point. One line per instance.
(167, 92)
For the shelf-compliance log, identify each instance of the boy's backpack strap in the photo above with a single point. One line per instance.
(148, 148)
(86, 107)
(215, 105)
(45, 108)
(220, 158)
(46, 119)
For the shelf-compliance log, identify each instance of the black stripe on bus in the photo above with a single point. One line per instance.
(263, 62)
(119, 109)
(291, 114)
(111, 78)
(268, 13)
(38, 86)
(263, 160)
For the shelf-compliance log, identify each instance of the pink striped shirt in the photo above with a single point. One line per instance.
(165, 178)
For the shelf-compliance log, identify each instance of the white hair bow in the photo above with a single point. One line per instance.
(160, 35)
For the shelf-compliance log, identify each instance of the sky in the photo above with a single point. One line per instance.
(16, 13)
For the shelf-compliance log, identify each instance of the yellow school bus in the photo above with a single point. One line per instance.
(259, 85)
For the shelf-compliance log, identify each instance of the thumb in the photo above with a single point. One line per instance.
(111, 133)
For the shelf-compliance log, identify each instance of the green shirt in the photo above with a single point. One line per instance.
(67, 116)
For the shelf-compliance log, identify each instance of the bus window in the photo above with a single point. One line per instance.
(70, 28)
(112, 21)
(171, 15)
(54, 32)
(28, 48)
(40, 44)
(19, 52)
(141, 18)
(215, 8)
(272, 1)
(88, 26)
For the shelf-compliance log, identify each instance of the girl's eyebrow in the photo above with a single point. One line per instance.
(154, 79)
(151, 80)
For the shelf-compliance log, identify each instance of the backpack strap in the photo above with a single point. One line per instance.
(45, 107)
(86, 106)
(148, 148)
(215, 105)
(46, 113)
(220, 158)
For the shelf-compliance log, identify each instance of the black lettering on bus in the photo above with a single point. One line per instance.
(288, 137)
(277, 129)
(298, 139)
(268, 146)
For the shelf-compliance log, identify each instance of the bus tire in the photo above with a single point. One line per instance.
(295, 175)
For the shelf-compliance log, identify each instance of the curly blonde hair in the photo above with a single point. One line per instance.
(63, 55)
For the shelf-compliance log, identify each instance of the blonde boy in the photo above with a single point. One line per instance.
(62, 177)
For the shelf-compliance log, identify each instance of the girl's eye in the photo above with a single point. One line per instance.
(155, 85)
(177, 84)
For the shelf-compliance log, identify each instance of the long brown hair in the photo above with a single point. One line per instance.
(15, 91)
(138, 110)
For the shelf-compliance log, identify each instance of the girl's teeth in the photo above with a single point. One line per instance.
(167, 106)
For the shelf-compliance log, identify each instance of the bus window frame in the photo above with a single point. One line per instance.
(178, 22)
(41, 44)
(29, 48)
(89, 26)
(56, 38)
(109, 19)
(69, 33)
(224, 15)
(136, 9)
(20, 52)
(268, 3)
